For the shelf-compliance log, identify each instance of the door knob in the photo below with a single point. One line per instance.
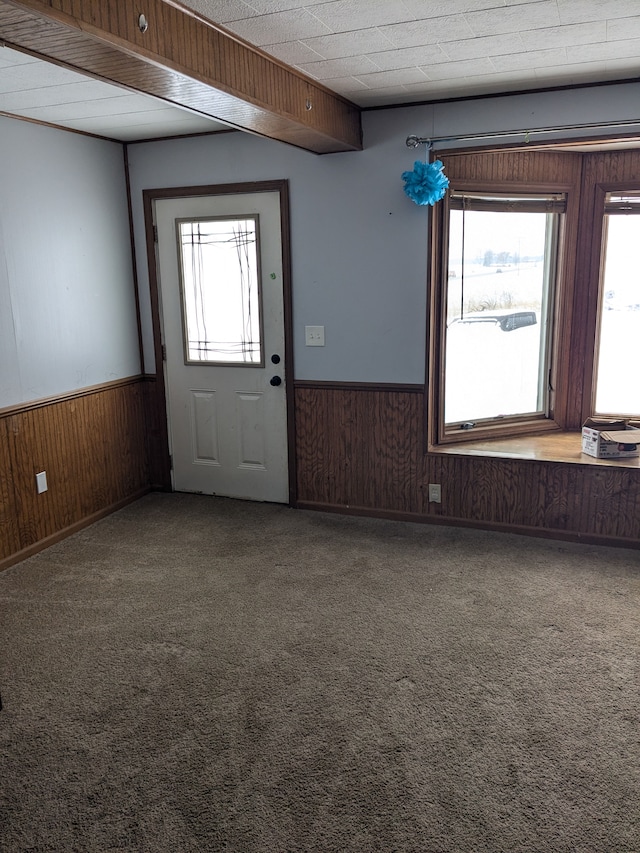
(275, 380)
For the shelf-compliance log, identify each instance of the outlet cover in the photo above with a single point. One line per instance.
(41, 482)
(314, 336)
(435, 493)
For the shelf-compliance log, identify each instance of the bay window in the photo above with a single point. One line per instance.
(534, 294)
(501, 278)
(619, 307)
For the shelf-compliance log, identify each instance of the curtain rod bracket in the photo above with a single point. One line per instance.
(415, 141)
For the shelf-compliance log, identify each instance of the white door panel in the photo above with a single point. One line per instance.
(227, 422)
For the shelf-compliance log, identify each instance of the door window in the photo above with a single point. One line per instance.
(220, 287)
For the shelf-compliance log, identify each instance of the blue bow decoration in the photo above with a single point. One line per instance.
(427, 183)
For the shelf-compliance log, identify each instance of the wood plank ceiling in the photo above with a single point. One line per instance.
(187, 61)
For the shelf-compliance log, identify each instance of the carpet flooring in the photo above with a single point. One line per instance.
(201, 674)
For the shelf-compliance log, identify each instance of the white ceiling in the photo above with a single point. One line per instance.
(373, 52)
(48, 93)
(382, 52)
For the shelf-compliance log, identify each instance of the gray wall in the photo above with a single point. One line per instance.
(359, 246)
(67, 305)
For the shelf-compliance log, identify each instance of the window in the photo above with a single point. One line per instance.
(619, 309)
(502, 259)
(534, 293)
(219, 275)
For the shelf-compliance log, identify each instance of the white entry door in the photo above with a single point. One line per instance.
(222, 309)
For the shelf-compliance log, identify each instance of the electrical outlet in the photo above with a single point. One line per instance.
(314, 336)
(41, 482)
(435, 493)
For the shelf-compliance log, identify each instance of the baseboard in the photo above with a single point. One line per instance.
(19, 556)
(521, 530)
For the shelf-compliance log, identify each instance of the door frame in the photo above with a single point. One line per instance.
(158, 440)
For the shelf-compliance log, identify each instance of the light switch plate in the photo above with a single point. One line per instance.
(314, 336)
(41, 482)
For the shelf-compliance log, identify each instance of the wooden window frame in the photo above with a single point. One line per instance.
(554, 419)
(513, 201)
(588, 176)
(601, 209)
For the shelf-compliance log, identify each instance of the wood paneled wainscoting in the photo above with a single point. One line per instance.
(92, 446)
(362, 449)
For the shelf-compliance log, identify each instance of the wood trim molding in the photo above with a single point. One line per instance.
(59, 535)
(188, 61)
(132, 243)
(410, 388)
(157, 408)
(287, 285)
(9, 411)
(38, 121)
(451, 521)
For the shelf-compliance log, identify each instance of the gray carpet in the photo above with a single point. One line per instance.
(200, 674)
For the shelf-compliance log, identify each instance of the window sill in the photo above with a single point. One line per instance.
(549, 447)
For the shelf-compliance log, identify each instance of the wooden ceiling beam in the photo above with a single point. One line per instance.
(186, 61)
